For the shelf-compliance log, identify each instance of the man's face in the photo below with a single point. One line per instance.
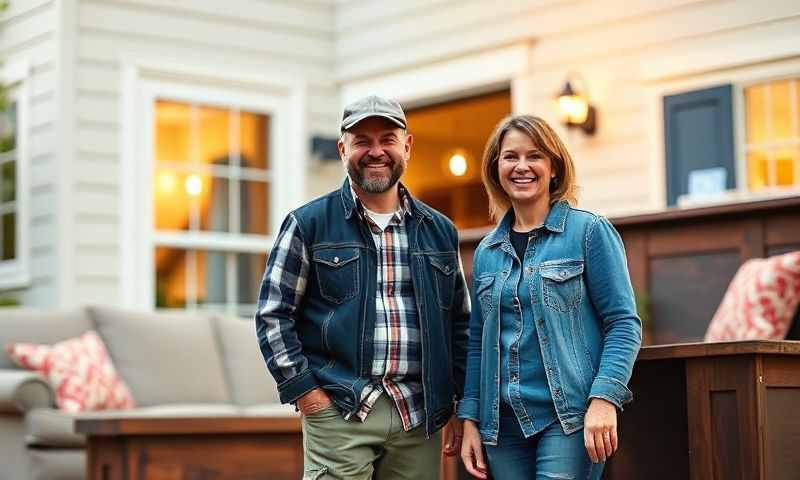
(375, 152)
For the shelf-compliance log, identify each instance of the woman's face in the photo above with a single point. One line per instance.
(524, 170)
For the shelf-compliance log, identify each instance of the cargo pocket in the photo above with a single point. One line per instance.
(315, 473)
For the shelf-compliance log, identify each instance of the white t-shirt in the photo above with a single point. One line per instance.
(381, 219)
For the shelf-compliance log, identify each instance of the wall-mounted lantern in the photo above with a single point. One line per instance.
(574, 106)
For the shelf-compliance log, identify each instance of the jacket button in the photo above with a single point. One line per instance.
(335, 259)
(563, 274)
(544, 338)
(541, 323)
(530, 269)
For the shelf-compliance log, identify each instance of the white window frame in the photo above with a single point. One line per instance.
(707, 67)
(283, 101)
(15, 274)
(742, 145)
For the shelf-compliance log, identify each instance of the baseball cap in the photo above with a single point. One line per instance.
(372, 106)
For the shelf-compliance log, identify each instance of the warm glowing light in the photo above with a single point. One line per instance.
(574, 108)
(458, 165)
(166, 181)
(194, 185)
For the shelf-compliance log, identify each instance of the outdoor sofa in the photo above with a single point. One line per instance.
(174, 364)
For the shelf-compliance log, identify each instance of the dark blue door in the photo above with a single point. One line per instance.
(698, 129)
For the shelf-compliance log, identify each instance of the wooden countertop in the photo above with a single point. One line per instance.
(716, 349)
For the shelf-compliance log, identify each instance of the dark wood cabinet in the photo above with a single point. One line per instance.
(712, 411)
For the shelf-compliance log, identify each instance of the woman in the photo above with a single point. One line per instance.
(554, 330)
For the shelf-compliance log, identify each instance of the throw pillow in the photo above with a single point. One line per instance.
(79, 370)
(760, 301)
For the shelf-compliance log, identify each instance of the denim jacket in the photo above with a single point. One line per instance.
(584, 310)
(325, 339)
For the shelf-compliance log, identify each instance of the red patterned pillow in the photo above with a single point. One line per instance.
(79, 370)
(760, 302)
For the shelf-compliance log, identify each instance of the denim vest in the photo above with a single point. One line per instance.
(336, 318)
(585, 316)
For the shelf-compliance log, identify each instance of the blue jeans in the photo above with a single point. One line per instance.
(547, 455)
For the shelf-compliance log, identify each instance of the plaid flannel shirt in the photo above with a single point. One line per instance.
(396, 367)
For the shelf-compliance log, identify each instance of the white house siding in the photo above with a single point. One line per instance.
(28, 32)
(290, 39)
(626, 51)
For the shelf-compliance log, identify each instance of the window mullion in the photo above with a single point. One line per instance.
(235, 210)
(191, 279)
(771, 168)
(794, 97)
(232, 283)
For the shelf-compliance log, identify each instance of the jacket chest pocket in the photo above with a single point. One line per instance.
(337, 273)
(444, 277)
(562, 284)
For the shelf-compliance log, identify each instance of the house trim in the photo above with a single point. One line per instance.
(16, 274)
(143, 82)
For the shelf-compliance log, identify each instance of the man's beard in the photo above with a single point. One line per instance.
(375, 184)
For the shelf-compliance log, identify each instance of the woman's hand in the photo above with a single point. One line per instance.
(453, 433)
(600, 430)
(472, 451)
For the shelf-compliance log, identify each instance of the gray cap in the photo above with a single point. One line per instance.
(372, 106)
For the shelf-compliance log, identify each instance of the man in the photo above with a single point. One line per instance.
(363, 313)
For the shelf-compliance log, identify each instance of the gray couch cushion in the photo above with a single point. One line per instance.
(50, 464)
(49, 427)
(248, 377)
(31, 326)
(164, 358)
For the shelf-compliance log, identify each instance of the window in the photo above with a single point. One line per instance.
(9, 206)
(772, 131)
(212, 182)
(14, 254)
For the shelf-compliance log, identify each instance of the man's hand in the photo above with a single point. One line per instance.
(314, 401)
(453, 433)
(472, 451)
(600, 430)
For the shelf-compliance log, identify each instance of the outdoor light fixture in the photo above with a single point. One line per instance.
(574, 106)
(457, 165)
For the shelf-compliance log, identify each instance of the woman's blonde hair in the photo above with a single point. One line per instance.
(562, 187)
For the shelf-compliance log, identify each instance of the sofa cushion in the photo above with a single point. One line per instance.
(57, 464)
(164, 358)
(48, 427)
(760, 301)
(79, 371)
(24, 325)
(248, 377)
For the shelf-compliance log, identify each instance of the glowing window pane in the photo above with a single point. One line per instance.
(757, 171)
(755, 103)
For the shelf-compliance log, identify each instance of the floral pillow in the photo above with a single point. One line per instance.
(79, 370)
(760, 302)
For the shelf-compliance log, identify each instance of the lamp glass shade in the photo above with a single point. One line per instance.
(574, 108)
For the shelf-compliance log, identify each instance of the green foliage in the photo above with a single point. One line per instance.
(8, 302)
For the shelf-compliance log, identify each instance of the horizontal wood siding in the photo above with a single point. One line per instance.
(283, 39)
(607, 42)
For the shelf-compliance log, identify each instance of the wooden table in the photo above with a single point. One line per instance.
(182, 448)
(707, 411)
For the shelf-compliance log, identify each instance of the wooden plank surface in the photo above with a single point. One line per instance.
(122, 425)
(689, 350)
